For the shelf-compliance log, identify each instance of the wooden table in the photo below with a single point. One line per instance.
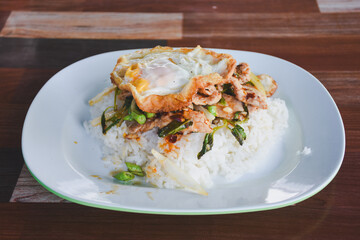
(38, 38)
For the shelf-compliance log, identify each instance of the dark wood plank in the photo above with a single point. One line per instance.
(3, 18)
(11, 122)
(58, 53)
(351, 118)
(163, 5)
(344, 86)
(321, 217)
(234, 25)
(10, 166)
(94, 25)
(20, 85)
(312, 53)
(12, 119)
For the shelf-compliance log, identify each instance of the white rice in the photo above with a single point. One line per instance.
(226, 159)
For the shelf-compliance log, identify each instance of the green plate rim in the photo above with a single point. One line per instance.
(174, 213)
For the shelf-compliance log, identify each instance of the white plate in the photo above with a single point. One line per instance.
(54, 123)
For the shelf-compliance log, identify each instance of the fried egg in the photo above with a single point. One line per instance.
(167, 72)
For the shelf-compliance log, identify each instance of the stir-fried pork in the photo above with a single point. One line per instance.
(230, 108)
(200, 122)
(207, 96)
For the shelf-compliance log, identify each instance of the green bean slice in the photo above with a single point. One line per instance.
(135, 169)
(124, 176)
(174, 127)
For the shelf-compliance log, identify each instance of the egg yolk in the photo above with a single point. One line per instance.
(133, 73)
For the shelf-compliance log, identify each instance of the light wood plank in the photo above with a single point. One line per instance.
(94, 25)
(29, 190)
(250, 25)
(327, 6)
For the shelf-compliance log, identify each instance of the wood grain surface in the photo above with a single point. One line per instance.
(29, 190)
(39, 38)
(317, 219)
(235, 25)
(10, 166)
(312, 53)
(93, 25)
(58, 53)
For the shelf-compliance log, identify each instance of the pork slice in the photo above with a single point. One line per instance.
(206, 96)
(248, 94)
(254, 97)
(242, 73)
(232, 106)
(200, 122)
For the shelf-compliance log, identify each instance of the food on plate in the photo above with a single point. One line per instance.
(163, 79)
(177, 118)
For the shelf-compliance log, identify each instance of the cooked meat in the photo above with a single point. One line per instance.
(252, 109)
(239, 91)
(207, 96)
(247, 93)
(200, 122)
(254, 97)
(207, 91)
(232, 106)
(242, 72)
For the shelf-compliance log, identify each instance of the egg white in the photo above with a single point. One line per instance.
(168, 72)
